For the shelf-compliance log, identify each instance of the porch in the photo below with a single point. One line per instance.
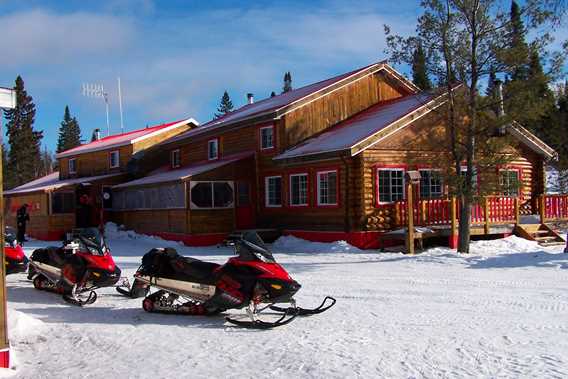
(491, 215)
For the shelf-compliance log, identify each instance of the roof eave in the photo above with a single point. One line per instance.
(532, 141)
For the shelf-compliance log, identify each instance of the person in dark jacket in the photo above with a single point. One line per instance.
(84, 212)
(22, 218)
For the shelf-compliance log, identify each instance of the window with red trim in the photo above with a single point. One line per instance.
(390, 184)
(431, 186)
(327, 187)
(298, 189)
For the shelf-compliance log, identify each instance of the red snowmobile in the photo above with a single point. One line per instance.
(194, 287)
(77, 269)
(16, 260)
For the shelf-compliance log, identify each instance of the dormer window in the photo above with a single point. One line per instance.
(176, 158)
(73, 166)
(213, 149)
(114, 159)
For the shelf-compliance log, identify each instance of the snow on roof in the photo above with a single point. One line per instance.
(273, 104)
(348, 133)
(52, 182)
(125, 138)
(166, 175)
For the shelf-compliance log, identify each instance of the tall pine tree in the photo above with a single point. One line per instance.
(24, 154)
(287, 87)
(419, 71)
(225, 106)
(518, 45)
(69, 132)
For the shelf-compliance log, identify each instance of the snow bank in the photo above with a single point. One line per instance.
(291, 244)
(113, 231)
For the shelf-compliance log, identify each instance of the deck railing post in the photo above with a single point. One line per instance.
(453, 224)
(410, 221)
(486, 214)
(542, 208)
(517, 211)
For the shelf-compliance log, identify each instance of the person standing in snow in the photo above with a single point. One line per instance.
(22, 218)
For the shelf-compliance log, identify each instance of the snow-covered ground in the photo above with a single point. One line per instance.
(500, 312)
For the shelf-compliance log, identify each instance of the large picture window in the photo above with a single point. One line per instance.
(390, 184)
(509, 181)
(210, 195)
(273, 189)
(298, 189)
(327, 187)
(430, 184)
(62, 202)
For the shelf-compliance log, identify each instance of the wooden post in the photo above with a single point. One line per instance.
(542, 208)
(454, 224)
(410, 222)
(423, 212)
(517, 211)
(486, 211)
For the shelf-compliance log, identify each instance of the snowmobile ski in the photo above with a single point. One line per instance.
(308, 312)
(75, 299)
(256, 323)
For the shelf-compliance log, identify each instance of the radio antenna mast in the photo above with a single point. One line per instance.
(97, 91)
(120, 106)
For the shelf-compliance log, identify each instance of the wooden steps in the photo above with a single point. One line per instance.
(540, 233)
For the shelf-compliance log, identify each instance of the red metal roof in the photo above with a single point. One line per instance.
(121, 139)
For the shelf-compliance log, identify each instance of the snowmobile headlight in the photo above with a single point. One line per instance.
(276, 286)
(96, 274)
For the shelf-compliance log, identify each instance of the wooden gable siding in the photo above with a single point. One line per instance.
(154, 221)
(95, 163)
(337, 106)
(151, 141)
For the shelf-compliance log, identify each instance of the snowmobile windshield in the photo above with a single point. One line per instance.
(92, 239)
(253, 245)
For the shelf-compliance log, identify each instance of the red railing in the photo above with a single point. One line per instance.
(555, 207)
(502, 210)
(426, 212)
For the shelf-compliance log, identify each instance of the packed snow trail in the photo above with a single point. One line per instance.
(499, 312)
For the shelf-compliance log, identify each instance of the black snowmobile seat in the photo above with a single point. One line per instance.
(192, 269)
(167, 263)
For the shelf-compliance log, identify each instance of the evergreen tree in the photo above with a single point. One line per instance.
(287, 87)
(4, 165)
(24, 154)
(225, 106)
(46, 163)
(491, 91)
(419, 70)
(518, 46)
(69, 132)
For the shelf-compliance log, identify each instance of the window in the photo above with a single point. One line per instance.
(73, 166)
(430, 184)
(62, 202)
(210, 195)
(167, 196)
(213, 149)
(267, 138)
(509, 182)
(114, 159)
(390, 185)
(273, 189)
(299, 189)
(175, 158)
(327, 188)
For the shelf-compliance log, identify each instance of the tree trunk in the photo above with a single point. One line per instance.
(464, 229)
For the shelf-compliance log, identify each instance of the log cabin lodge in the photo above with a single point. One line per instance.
(323, 162)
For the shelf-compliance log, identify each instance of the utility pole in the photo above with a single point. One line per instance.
(98, 91)
(120, 106)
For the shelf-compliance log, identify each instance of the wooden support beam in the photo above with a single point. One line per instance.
(410, 221)
(454, 224)
(542, 208)
(517, 211)
(486, 214)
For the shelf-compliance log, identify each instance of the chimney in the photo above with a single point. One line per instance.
(250, 98)
(96, 135)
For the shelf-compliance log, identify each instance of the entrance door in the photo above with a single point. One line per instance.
(245, 211)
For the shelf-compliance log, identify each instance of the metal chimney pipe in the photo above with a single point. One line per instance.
(501, 107)
(250, 98)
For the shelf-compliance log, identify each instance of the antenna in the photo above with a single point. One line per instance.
(97, 91)
(120, 106)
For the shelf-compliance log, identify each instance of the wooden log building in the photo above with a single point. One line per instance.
(323, 162)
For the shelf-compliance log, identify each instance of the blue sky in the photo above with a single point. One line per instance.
(175, 58)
